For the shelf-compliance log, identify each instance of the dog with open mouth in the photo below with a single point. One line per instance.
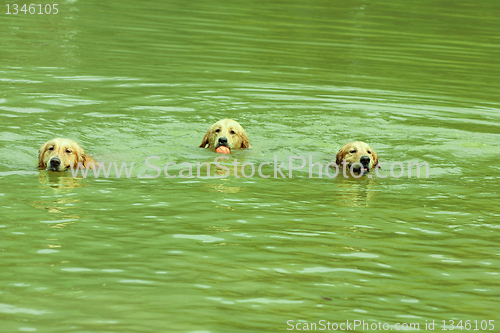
(225, 133)
(60, 154)
(359, 157)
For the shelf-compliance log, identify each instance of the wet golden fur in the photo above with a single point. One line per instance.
(67, 151)
(353, 152)
(227, 128)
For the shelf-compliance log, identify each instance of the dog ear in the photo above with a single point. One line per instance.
(205, 140)
(375, 159)
(41, 152)
(245, 143)
(340, 156)
(88, 162)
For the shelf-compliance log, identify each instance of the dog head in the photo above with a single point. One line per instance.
(358, 156)
(59, 154)
(226, 132)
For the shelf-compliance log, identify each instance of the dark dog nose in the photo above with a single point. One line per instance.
(223, 141)
(55, 162)
(365, 160)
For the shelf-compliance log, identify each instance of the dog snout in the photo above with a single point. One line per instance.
(55, 162)
(365, 160)
(223, 141)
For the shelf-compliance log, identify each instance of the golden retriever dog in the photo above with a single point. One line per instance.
(60, 154)
(225, 132)
(359, 156)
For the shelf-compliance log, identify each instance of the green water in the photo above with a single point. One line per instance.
(417, 80)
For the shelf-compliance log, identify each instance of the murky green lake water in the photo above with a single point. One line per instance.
(417, 80)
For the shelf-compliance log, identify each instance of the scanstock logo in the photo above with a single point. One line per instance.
(271, 169)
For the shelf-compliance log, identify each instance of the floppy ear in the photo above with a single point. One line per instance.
(375, 159)
(87, 161)
(245, 143)
(41, 152)
(80, 153)
(204, 142)
(340, 157)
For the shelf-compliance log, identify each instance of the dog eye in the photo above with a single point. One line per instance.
(217, 130)
(51, 148)
(233, 132)
(68, 151)
(369, 152)
(352, 151)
